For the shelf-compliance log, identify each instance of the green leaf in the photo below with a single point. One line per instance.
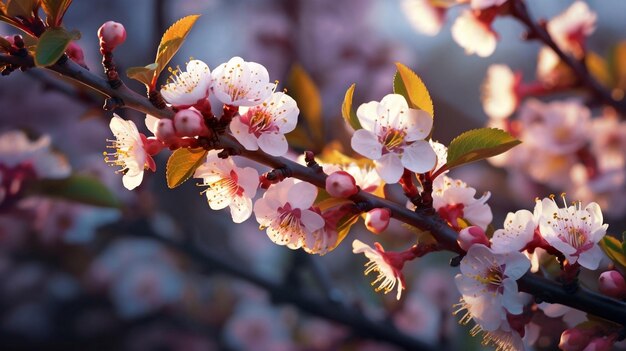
(55, 10)
(613, 248)
(409, 85)
(182, 164)
(478, 144)
(51, 46)
(21, 8)
(143, 74)
(348, 112)
(171, 41)
(302, 88)
(84, 189)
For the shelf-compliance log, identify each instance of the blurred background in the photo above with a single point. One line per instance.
(163, 271)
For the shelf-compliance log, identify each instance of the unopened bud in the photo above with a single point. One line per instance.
(611, 283)
(75, 52)
(470, 236)
(574, 340)
(165, 130)
(189, 123)
(377, 220)
(600, 344)
(341, 184)
(111, 34)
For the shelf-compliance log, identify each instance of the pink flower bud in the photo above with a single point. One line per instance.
(377, 220)
(341, 184)
(165, 131)
(600, 344)
(189, 123)
(75, 52)
(611, 283)
(470, 236)
(111, 34)
(574, 340)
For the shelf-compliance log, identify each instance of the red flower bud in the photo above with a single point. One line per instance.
(341, 184)
(574, 339)
(377, 220)
(189, 123)
(165, 131)
(111, 34)
(611, 283)
(470, 236)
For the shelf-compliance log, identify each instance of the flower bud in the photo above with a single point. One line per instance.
(377, 220)
(611, 283)
(75, 52)
(111, 34)
(574, 340)
(189, 123)
(470, 236)
(165, 130)
(341, 184)
(600, 344)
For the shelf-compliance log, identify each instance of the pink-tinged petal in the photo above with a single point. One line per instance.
(132, 181)
(365, 143)
(420, 122)
(286, 111)
(591, 257)
(274, 144)
(265, 210)
(468, 286)
(240, 208)
(248, 180)
(474, 262)
(389, 167)
(419, 157)
(488, 312)
(598, 234)
(510, 297)
(311, 220)
(517, 264)
(367, 115)
(391, 110)
(561, 246)
(240, 132)
(360, 247)
(302, 195)
(151, 123)
(595, 210)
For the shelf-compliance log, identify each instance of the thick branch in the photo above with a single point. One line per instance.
(520, 11)
(545, 289)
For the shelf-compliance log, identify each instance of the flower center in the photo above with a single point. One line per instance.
(451, 213)
(259, 121)
(227, 186)
(492, 279)
(184, 81)
(392, 139)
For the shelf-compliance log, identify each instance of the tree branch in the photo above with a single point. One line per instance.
(520, 12)
(549, 291)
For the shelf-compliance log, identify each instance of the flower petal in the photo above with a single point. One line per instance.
(419, 157)
(389, 167)
(365, 143)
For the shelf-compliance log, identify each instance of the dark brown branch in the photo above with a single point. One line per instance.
(549, 291)
(536, 31)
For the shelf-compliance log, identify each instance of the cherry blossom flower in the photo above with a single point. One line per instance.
(264, 125)
(323, 240)
(241, 83)
(574, 231)
(386, 264)
(500, 97)
(488, 285)
(365, 177)
(423, 15)
(228, 185)
(453, 199)
(474, 34)
(570, 29)
(519, 229)
(442, 154)
(503, 339)
(392, 136)
(130, 153)
(285, 211)
(185, 89)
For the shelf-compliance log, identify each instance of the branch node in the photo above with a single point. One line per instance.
(309, 158)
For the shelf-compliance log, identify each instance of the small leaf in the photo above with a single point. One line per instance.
(21, 8)
(142, 74)
(171, 41)
(343, 228)
(83, 189)
(478, 144)
(613, 248)
(598, 68)
(55, 10)
(300, 139)
(348, 112)
(52, 45)
(618, 60)
(182, 164)
(409, 85)
(302, 88)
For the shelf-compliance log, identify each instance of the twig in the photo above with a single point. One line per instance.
(549, 291)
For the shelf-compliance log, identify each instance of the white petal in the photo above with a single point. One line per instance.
(591, 258)
(367, 115)
(132, 181)
(240, 208)
(302, 195)
(311, 220)
(248, 180)
(274, 144)
(240, 132)
(419, 157)
(389, 167)
(420, 122)
(517, 264)
(365, 143)
(151, 123)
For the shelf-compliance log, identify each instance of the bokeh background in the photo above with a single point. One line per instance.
(164, 272)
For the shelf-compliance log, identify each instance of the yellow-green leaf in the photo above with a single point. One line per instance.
(51, 45)
(77, 188)
(613, 248)
(304, 91)
(142, 74)
(598, 67)
(55, 10)
(300, 139)
(171, 41)
(619, 65)
(182, 164)
(21, 8)
(408, 84)
(478, 144)
(343, 228)
(348, 112)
